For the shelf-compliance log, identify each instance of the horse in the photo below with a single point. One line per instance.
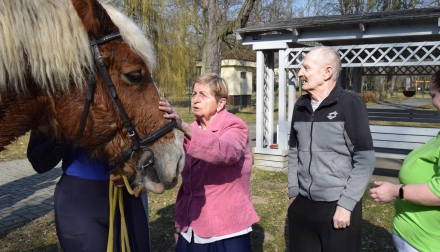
(79, 70)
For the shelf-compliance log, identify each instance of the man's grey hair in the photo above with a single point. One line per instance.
(329, 56)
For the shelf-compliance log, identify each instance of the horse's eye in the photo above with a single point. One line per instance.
(134, 77)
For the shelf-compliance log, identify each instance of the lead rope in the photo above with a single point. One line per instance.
(115, 196)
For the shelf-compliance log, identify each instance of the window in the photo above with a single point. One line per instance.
(243, 75)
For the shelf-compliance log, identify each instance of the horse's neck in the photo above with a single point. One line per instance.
(21, 113)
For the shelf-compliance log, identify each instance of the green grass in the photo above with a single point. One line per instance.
(16, 150)
(39, 235)
(269, 191)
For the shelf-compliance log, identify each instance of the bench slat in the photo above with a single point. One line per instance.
(403, 111)
(394, 119)
(403, 115)
(396, 145)
(404, 130)
(401, 138)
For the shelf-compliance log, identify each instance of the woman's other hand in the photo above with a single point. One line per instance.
(171, 113)
(384, 192)
(177, 234)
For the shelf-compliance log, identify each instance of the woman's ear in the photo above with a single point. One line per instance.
(221, 104)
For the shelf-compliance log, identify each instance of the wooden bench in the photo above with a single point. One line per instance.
(396, 142)
(390, 141)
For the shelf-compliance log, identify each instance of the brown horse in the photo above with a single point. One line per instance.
(46, 60)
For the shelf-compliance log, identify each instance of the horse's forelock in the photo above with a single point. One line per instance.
(132, 35)
(43, 40)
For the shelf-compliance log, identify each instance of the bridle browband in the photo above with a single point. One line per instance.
(134, 136)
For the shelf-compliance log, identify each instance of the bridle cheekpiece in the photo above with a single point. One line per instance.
(138, 143)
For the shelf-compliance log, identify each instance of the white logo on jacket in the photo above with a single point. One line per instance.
(332, 115)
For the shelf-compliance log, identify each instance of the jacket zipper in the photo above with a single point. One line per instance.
(310, 151)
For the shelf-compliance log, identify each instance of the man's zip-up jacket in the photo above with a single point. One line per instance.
(331, 155)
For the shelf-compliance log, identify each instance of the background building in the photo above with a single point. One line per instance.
(238, 75)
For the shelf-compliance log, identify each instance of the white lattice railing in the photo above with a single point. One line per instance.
(266, 108)
(378, 55)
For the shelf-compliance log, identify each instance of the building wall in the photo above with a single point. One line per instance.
(238, 75)
(239, 79)
(239, 100)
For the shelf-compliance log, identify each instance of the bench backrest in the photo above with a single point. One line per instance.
(400, 137)
(403, 115)
(396, 139)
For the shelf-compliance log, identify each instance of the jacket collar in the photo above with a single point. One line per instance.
(214, 125)
(305, 100)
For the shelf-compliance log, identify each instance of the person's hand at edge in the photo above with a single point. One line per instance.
(385, 191)
(341, 219)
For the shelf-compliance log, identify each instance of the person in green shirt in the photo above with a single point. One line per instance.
(416, 223)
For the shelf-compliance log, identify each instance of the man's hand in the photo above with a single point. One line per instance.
(292, 199)
(341, 219)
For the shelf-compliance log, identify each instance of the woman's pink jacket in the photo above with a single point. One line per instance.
(215, 197)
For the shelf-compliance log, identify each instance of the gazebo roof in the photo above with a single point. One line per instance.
(401, 26)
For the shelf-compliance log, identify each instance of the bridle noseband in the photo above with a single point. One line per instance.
(138, 143)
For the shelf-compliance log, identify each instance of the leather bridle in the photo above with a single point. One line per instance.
(138, 143)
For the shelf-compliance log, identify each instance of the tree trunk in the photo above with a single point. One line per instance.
(212, 43)
(379, 88)
(216, 30)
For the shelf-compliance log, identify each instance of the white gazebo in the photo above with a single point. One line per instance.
(382, 43)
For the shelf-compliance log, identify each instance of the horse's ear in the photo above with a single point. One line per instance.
(95, 19)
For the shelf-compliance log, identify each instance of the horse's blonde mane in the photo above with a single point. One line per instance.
(45, 40)
(132, 35)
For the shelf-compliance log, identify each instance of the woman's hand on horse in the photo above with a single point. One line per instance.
(171, 113)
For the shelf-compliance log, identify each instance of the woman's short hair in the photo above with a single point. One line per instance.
(218, 85)
(435, 79)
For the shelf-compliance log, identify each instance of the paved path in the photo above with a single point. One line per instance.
(404, 104)
(26, 195)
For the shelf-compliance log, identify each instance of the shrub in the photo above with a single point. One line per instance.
(367, 96)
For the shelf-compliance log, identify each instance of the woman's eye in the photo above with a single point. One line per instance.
(134, 77)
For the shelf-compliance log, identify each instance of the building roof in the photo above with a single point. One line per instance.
(400, 26)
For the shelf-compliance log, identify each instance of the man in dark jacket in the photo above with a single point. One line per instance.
(331, 159)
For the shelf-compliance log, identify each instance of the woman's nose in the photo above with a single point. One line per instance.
(196, 98)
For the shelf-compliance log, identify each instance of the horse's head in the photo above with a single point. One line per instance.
(128, 60)
(46, 48)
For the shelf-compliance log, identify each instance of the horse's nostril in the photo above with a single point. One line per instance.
(142, 158)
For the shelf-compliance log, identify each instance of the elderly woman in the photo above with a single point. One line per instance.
(417, 217)
(214, 211)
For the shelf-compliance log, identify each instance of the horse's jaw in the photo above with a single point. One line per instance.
(169, 159)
